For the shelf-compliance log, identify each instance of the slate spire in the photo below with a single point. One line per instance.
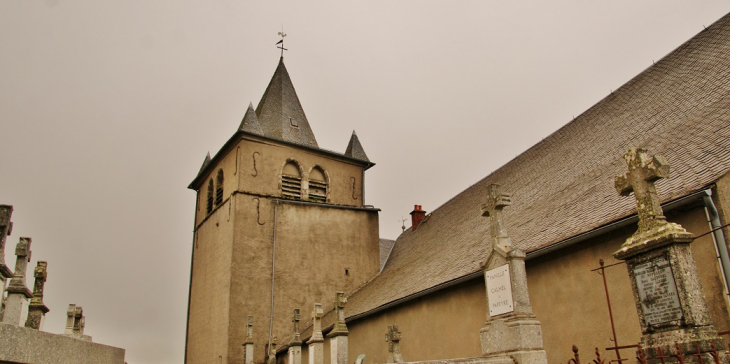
(250, 122)
(355, 150)
(280, 114)
(206, 161)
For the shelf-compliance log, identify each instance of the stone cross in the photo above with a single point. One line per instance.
(393, 339)
(6, 227)
(339, 306)
(18, 292)
(643, 171)
(272, 351)
(296, 317)
(317, 314)
(75, 320)
(338, 335)
(37, 309)
(496, 202)
(248, 345)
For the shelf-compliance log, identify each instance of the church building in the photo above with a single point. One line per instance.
(281, 224)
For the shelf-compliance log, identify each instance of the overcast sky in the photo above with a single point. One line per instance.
(107, 109)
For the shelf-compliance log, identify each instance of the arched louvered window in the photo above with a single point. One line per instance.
(209, 202)
(317, 185)
(219, 188)
(291, 181)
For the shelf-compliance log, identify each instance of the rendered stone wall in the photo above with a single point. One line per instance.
(24, 345)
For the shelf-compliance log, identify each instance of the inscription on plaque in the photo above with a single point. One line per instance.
(499, 290)
(657, 291)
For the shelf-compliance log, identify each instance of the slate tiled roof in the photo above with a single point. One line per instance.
(280, 113)
(563, 186)
(386, 245)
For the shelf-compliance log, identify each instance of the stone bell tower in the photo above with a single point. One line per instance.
(279, 224)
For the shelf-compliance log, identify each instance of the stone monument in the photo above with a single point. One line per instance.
(6, 227)
(393, 339)
(662, 270)
(295, 344)
(18, 292)
(338, 335)
(248, 345)
(511, 333)
(76, 322)
(37, 310)
(272, 351)
(316, 342)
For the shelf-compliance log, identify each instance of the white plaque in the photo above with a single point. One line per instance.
(499, 290)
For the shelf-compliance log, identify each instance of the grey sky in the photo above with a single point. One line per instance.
(107, 109)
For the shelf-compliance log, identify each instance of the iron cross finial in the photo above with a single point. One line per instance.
(280, 43)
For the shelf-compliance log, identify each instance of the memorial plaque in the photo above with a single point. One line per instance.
(657, 291)
(499, 290)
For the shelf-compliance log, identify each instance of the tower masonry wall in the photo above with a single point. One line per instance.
(319, 250)
(260, 164)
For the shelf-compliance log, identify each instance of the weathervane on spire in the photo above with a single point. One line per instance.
(282, 34)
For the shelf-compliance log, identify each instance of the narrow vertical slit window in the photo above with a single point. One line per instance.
(219, 188)
(317, 185)
(209, 202)
(291, 181)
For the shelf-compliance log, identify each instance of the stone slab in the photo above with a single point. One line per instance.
(23, 345)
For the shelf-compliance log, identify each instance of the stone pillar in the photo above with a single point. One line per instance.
(511, 333)
(393, 339)
(248, 345)
(338, 335)
(316, 342)
(295, 344)
(6, 227)
(18, 292)
(667, 290)
(37, 310)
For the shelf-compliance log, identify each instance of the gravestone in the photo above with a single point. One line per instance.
(248, 344)
(338, 335)
(667, 290)
(6, 227)
(316, 342)
(393, 337)
(18, 292)
(295, 344)
(511, 333)
(37, 310)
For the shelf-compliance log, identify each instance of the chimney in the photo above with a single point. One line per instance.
(417, 216)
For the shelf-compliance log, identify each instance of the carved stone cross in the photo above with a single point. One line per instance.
(23, 253)
(41, 274)
(496, 202)
(6, 227)
(317, 314)
(643, 171)
(249, 329)
(296, 340)
(340, 303)
(393, 339)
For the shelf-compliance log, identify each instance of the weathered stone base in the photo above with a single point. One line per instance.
(338, 349)
(511, 334)
(316, 353)
(295, 355)
(526, 356)
(23, 345)
(15, 305)
(689, 339)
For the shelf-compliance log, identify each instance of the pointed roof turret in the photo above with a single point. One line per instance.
(355, 150)
(280, 114)
(250, 122)
(206, 162)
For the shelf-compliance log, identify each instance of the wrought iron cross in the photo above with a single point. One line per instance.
(493, 209)
(280, 44)
(643, 171)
